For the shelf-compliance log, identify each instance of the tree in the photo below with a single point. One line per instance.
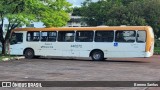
(96, 13)
(121, 15)
(76, 11)
(21, 12)
(122, 12)
(149, 10)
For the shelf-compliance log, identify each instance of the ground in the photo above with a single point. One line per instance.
(60, 69)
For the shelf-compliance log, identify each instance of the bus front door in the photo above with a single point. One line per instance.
(16, 44)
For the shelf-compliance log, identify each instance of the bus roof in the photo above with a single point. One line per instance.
(99, 28)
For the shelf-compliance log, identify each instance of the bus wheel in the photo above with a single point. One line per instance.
(97, 55)
(29, 53)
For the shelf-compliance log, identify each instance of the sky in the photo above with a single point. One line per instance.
(77, 2)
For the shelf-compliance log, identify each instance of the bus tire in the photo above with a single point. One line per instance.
(97, 55)
(29, 53)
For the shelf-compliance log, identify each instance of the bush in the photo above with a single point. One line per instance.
(157, 43)
(157, 47)
(157, 50)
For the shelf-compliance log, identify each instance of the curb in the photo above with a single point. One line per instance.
(19, 58)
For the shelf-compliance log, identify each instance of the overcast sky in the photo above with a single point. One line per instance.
(77, 2)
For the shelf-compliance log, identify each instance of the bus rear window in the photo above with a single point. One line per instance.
(84, 36)
(33, 36)
(104, 36)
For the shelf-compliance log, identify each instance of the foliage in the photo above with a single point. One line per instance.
(157, 43)
(157, 47)
(53, 13)
(157, 50)
(26, 11)
(122, 12)
(76, 11)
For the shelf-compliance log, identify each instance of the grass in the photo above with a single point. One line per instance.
(6, 56)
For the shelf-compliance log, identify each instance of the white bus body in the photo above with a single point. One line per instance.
(112, 49)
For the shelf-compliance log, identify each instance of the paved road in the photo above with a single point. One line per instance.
(136, 69)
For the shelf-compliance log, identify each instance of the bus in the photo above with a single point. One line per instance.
(97, 43)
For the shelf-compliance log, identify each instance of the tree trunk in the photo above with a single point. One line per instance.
(3, 48)
(2, 40)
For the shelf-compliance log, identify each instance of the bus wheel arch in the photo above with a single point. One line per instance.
(97, 55)
(28, 53)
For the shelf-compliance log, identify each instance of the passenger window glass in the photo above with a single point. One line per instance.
(104, 36)
(48, 36)
(33, 36)
(125, 36)
(66, 36)
(16, 38)
(84, 36)
(141, 36)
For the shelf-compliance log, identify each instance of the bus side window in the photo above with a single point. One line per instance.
(33, 36)
(16, 38)
(84, 36)
(104, 36)
(48, 36)
(125, 36)
(44, 36)
(119, 36)
(141, 37)
(52, 36)
(66, 36)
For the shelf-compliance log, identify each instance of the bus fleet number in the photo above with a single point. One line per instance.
(76, 46)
